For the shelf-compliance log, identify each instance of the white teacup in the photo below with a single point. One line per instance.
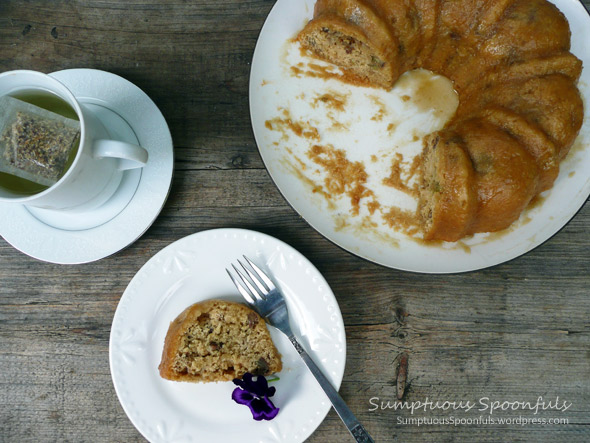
(97, 169)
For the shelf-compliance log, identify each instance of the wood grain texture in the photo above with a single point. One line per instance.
(513, 332)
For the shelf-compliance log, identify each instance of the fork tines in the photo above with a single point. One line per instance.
(255, 284)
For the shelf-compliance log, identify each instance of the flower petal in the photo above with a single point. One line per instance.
(244, 382)
(260, 386)
(263, 409)
(242, 397)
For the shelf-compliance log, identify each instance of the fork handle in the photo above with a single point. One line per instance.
(356, 429)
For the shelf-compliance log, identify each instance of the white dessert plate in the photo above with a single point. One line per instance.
(193, 269)
(85, 237)
(296, 103)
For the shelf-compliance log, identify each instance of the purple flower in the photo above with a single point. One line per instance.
(254, 394)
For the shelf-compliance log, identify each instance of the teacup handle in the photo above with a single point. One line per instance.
(131, 156)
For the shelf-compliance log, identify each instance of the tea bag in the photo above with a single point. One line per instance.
(35, 144)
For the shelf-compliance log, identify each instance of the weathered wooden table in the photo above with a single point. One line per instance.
(512, 333)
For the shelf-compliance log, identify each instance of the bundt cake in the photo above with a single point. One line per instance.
(217, 340)
(519, 106)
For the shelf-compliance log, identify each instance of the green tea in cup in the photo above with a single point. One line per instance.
(46, 100)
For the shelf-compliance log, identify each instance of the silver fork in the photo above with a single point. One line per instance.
(260, 292)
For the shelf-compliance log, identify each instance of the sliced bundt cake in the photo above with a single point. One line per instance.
(519, 108)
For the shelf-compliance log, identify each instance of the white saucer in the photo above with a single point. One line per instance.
(192, 269)
(138, 201)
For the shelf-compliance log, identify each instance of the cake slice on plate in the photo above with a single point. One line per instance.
(218, 340)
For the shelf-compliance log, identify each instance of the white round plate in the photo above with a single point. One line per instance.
(372, 126)
(40, 240)
(193, 269)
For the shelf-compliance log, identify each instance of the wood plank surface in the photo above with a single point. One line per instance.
(514, 332)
